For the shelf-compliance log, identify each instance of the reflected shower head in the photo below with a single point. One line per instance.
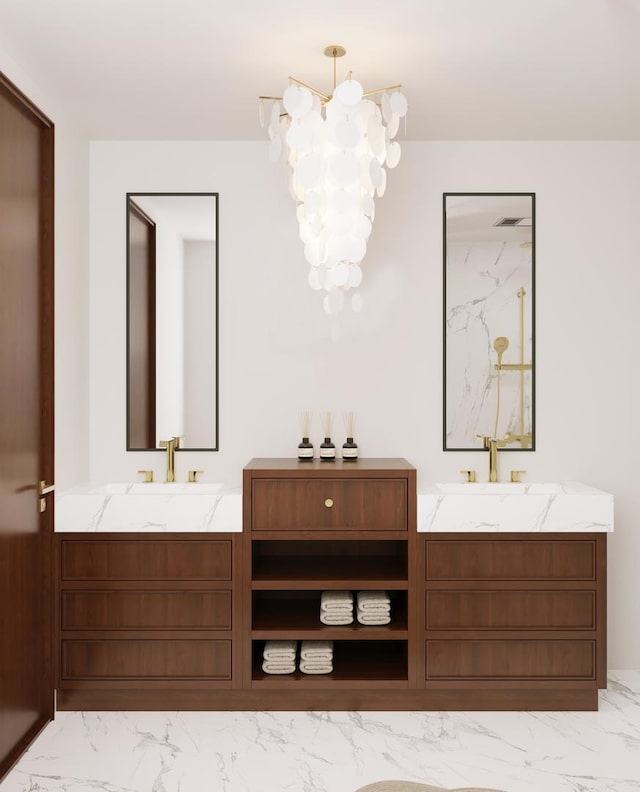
(500, 345)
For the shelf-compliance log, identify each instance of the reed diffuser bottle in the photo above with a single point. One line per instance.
(327, 448)
(305, 448)
(350, 448)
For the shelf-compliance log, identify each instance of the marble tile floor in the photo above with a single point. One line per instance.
(339, 751)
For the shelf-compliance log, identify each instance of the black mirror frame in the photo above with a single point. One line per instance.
(531, 195)
(131, 196)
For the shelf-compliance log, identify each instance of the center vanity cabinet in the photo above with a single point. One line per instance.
(319, 526)
(485, 620)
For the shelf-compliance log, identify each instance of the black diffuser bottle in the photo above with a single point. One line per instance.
(305, 448)
(327, 448)
(350, 448)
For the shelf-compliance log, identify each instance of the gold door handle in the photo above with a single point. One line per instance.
(44, 489)
(328, 502)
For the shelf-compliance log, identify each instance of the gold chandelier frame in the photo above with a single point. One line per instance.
(334, 51)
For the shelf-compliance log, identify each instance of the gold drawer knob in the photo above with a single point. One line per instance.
(328, 503)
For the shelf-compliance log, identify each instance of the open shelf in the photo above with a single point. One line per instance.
(329, 564)
(353, 661)
(296, 615)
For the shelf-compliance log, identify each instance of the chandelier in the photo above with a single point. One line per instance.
(336, 146)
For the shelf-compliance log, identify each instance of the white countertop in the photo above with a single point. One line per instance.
(564, 507)
(569, 507)
(129, 508)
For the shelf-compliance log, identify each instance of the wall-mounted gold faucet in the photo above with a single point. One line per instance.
(171, 446)
(492, 447)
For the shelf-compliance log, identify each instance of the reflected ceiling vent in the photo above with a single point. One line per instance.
(513, 221)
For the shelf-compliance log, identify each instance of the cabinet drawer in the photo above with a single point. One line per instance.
(150, 610)
(123, 659)
(501, 610)
(146, 560)
(510, 659)
(329, 504)
(520, 559)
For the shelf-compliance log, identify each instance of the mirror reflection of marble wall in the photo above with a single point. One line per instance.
(489, 255)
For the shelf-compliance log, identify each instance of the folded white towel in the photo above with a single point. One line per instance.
(377, 609)
(368, 600)
(343, 610)
(334, 619)
(280, 649)
(336, 600)
(374, 618)
(278, 668)
(314, 649)
(316, 668)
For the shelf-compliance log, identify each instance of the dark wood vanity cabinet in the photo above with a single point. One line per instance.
(145, 616)
(319, 526)
(478, 620)
(514, 613)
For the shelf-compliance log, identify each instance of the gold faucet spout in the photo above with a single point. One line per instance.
(171, 446)
(491, 446)
(493, 460)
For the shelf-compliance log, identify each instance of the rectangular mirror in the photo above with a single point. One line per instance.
(172, 320)
(489, 308)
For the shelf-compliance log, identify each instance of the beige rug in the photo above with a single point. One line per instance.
(412, 786)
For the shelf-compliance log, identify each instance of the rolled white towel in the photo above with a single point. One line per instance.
(336, 619)
(316, 668)
(336, 601)
(278, 668)
(282, 650)
(374, 618)
(372, 600)
(314, 650)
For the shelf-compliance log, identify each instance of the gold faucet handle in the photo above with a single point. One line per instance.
(515, 475)
(176, 440)
(148, 476)
(193, 475)
(470, 474)
(166, 443)
(486, 440)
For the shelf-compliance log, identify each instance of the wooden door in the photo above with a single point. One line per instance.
(141, 329)
(26, 421)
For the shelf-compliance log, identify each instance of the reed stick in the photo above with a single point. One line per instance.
(304, 419)
(326, 418)
(349, 419)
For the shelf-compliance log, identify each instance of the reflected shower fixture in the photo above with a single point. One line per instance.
(500, 345)
(337, 145)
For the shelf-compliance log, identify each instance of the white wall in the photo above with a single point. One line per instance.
(199, 344)
(71, 281)
(276, 353)
(169, 331)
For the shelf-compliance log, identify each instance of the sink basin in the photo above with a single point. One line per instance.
(158, 488)
(479, 488)
(540, 506)
(153, 507)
